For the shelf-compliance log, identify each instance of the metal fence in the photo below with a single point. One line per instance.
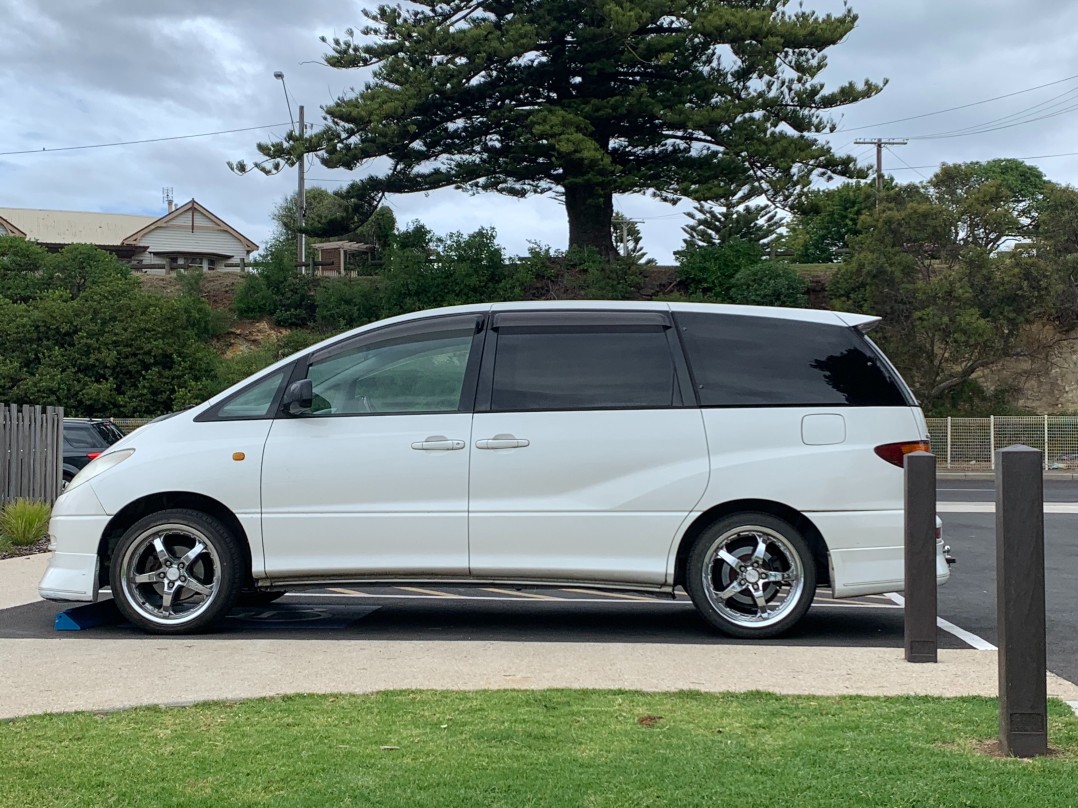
(31, 452)
(129, 425)
(971, 443)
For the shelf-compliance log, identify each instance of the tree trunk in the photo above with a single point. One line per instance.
(590, 212)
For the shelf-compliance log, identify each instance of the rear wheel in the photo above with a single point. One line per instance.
(176, 572)
(751, 575)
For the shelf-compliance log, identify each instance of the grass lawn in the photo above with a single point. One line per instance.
(523, 748)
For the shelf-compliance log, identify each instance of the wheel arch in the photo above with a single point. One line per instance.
(802, 523)
(152, 503)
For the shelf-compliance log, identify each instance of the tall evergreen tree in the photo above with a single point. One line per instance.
(713, 225)
(704, 99)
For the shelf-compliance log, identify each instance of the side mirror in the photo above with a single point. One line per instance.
(298, 398)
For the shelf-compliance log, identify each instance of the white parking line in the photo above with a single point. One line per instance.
(522, 595)
(968, 637)
(990, 507)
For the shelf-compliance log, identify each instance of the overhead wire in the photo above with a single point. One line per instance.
(46, 149)
(953, 109)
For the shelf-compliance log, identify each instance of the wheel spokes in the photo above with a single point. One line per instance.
(192, 554)
(197, 586)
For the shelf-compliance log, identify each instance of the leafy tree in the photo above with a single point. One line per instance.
(343, 303)
(703, 99)
(713, 225)
(991, 201)
(824, 220)
(21, 268)
(950, 306)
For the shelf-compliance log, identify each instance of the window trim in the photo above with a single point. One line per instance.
(576, 321)
(417, 327)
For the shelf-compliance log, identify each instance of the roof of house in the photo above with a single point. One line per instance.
(101, 229)
(187, 207)
(74, 227)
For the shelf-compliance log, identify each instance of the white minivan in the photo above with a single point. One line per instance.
(746, 454)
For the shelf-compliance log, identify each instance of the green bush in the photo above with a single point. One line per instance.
(24, 522)
(769, 283)
(711, 270)
(253, 299)
(346, 303)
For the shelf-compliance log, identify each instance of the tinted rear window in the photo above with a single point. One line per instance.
(740, 361)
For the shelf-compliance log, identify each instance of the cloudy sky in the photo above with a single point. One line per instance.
(84, 72)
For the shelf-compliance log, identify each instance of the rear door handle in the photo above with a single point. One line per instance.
(438, 443)
(502, 441)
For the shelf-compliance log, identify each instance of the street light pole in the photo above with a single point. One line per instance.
(301, 205)
(301, 194)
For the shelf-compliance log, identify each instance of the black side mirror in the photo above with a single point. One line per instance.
(298, 398)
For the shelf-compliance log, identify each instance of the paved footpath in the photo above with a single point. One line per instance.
(50, 675)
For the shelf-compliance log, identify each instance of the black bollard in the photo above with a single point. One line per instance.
(920, 558)
(1023, 691)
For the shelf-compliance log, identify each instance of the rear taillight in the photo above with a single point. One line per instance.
(93, 455)
(894, 453)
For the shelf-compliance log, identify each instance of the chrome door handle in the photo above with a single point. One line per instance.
(438, 443)
(502, 441)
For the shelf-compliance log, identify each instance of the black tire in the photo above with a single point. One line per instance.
(258, 597)
(769, 588)
(160, 555)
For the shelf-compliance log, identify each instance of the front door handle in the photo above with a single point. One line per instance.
(438, 443)
(502, 441)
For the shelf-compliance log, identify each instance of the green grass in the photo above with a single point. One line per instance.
(535, 748)
(23, 522)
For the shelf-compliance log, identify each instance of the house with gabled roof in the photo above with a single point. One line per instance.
(188, 236)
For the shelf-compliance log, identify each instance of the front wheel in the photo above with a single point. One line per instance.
(751, 575)
(177, 571)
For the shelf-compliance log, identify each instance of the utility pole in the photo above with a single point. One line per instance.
(879, 143)
(301, 203)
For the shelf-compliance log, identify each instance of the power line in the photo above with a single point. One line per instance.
(45, 149)
(907, 165)
(954, 109)
(1033, 157)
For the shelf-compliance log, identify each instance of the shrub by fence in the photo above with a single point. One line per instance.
(31, 452)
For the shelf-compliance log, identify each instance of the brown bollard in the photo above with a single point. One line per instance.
(1023, 690)
(920, 558)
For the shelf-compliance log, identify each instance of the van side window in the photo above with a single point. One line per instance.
(580, 367)
(395, 372)
(746, 361)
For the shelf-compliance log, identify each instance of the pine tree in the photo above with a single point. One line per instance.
(704, 99)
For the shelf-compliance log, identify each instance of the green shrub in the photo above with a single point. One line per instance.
(768, 283)
(253, 299)
(711, 270)
(24, 521)
(346, 303)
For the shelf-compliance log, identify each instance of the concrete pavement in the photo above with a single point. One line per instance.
(50, 675)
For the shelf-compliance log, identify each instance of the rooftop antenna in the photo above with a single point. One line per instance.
(166, 198)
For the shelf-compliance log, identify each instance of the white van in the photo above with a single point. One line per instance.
(749, 455)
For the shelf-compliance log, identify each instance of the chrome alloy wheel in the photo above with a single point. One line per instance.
(171, 574)
(753, 576)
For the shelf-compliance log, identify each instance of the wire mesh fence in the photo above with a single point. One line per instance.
(971, 443)
(129, 425)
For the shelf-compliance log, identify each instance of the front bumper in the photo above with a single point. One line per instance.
(72, 574)
(70, 577)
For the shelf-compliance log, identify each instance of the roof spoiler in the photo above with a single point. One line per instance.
(862, 322)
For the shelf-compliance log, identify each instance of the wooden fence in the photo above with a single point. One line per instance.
(31, 452)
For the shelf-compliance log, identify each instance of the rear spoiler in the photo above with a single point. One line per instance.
(862, 322)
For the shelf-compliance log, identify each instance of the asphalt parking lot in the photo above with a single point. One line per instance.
(492, 614)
